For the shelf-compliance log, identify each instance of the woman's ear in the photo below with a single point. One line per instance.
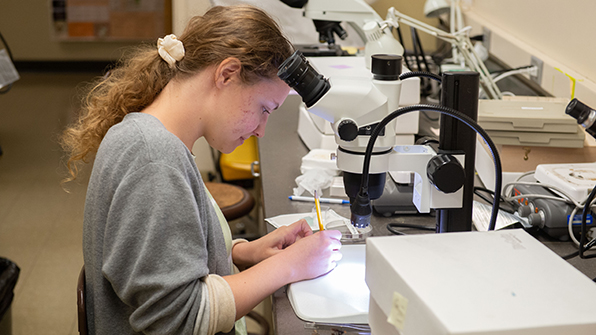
(227, 71)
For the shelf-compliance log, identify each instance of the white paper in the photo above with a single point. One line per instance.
(481, 214)
(329, 217)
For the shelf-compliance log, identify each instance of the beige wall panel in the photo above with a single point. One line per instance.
(563, 30)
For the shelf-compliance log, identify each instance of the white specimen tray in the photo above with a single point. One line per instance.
(341, 296)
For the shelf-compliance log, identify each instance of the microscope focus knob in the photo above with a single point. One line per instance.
(446, 173)
(347, 130)
(524, 211)
(537, 219)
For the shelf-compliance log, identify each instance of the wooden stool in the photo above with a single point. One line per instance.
(234, 201)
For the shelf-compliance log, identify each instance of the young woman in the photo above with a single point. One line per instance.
(158, 252)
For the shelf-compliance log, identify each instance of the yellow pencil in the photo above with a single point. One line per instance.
(318, 207)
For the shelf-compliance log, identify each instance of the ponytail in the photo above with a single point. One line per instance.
(243, 32)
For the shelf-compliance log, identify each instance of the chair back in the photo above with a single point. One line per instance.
(82, 313)
(82, 316)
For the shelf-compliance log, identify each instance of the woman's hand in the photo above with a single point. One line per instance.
(249, 254)
(287, 255)
(313, 256)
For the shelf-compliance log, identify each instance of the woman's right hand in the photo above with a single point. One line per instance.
(313, 256)
(310, 256)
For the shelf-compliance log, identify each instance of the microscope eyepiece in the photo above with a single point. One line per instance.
(297, 72)
(386, 67)
(584, 115)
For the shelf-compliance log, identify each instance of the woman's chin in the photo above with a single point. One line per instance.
(230, 149)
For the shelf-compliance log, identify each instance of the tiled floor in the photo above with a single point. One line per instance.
(40, 223)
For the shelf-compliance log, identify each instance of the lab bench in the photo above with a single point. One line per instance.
(280, 152)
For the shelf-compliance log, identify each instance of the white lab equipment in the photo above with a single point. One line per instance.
(530, 121)
(436, 8)
(295, 26)
(497, 282)
(577, 180)
(327, 15)
(317, 133)
(379, 42)
(355, 12)
(358, 111)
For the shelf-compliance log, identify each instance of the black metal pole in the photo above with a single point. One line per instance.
(460, 92)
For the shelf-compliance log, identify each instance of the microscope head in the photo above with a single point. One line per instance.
(353, 106)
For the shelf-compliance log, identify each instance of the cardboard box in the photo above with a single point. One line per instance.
(526, 158)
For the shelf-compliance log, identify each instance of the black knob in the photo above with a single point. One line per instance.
(535, 219)
(524, 211)
(347, 130)
(446, 173)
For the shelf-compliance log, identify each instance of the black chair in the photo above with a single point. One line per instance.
(81, 311)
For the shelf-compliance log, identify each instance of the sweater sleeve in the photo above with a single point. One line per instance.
(222, 307)
(155, 250)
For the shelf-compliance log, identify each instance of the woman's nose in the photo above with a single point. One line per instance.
(260, 131)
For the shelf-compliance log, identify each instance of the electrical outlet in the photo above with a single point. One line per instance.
(486, 38)
(539, 64)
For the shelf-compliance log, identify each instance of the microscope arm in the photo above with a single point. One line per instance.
(463, 43)
(425, 193)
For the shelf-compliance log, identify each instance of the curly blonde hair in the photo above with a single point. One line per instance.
(243, 32)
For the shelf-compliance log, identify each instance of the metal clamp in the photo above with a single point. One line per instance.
(252, 169)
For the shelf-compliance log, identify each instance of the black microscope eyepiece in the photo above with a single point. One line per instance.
(584, 115)
(297, 72)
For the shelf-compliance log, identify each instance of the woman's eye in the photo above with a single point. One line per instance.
(266, 111)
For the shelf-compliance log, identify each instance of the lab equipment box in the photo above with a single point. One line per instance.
(526, 114)
(496, 282)
(530, 121)
(528, 138)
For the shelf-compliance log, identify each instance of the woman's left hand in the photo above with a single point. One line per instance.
(251, 253)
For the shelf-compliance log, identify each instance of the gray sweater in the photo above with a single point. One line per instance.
(150, 233)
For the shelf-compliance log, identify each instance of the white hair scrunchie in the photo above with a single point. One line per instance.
(170, 48)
